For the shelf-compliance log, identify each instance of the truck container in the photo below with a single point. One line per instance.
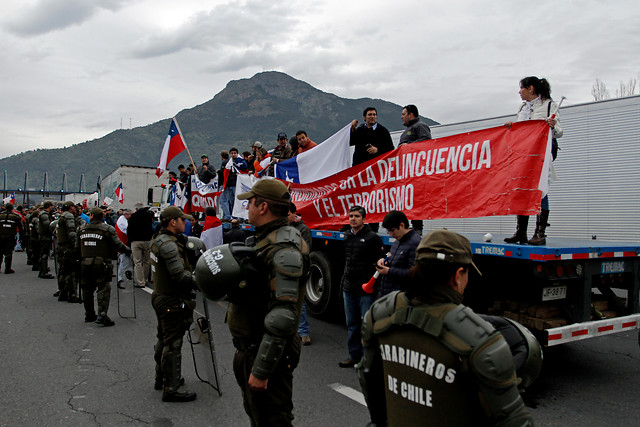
(139, 184)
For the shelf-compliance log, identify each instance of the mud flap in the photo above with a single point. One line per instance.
(202, 347)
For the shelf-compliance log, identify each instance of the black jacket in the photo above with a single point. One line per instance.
(363, 135)
(361, 252)
(403, 257)
(140, 225)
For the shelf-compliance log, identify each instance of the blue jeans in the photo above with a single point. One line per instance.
(355, 307)
(303, 326)
(544, 203)
(227, 198)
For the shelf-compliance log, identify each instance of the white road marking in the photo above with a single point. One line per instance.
(349, 392)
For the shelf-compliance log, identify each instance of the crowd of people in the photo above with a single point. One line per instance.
(409, 332)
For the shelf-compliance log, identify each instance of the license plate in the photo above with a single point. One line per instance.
(553, 293)
(611, 267)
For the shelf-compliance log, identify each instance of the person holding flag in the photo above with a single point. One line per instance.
(234, 166)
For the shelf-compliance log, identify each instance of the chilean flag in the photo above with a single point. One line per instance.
(328, 158)
(120, 193)
(173, 146)
(11, 199)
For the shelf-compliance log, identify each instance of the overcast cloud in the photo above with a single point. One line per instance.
(74, 70)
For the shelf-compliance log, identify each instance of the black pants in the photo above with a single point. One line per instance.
(274, 406)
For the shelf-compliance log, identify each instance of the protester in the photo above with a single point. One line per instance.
(140, 231)
(262, 162)
(415, 131)
(281, 152)
(297, 222)
(212, 230)
(304, 143)
(362, 249)
(235, 166)
(370, 139)
(206, 172)
(394, 270)
(125, 263)
(537, 105)
(234, 234)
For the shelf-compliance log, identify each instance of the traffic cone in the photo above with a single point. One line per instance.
(368, 287)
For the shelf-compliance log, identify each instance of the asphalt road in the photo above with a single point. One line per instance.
(56, 370)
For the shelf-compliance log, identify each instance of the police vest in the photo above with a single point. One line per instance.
(95, 241)
(443, 363)
(8, 224)
(44, 220)
(62, 234)
(162, 282)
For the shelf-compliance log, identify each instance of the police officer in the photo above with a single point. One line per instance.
(34, 239)
(44, 236)
(173, 301)
(67, 252)
(428, 358)
(99, 245)
(264, 320)
(10, 223)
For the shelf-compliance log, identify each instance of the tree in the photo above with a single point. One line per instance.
(599, 90)
(626, 89)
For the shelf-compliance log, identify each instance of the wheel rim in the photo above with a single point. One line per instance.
(315, 284)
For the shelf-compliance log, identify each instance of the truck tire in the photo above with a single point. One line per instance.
(322, 292)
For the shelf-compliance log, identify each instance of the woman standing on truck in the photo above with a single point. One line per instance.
(537, 105)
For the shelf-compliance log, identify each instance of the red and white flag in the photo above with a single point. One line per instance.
(120, 193)
(173, 146)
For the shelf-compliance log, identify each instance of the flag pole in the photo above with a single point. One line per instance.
(184, 141)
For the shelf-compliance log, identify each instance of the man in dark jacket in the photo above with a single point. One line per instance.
(362, 249)
(206, 172)
(370, 139)
(394, 270)
(140, 231)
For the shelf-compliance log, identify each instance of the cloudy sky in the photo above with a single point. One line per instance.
(75, 70)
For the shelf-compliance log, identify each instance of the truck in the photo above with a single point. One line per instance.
(139, 184)
(585, 281)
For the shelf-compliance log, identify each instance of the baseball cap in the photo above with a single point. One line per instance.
(445, 245)
(97, 212)
(257, 144)
(282, 135)
(270, 189)
(173, 212)
(204, 156)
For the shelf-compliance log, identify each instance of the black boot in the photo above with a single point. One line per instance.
(520, 236)
(171, 367)
(7, 264)
(539, 238)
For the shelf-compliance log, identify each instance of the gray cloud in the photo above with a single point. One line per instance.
(51, 15)
(247, 25)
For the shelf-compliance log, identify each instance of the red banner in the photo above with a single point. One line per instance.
(489, 172)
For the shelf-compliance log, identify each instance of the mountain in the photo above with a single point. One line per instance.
(244, 111)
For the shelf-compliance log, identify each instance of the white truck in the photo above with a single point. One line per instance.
(139, 184)
(586, 281)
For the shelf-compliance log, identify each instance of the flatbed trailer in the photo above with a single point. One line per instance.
(568, 290)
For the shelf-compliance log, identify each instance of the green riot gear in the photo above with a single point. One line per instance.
(219, 270)
(194, 249)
